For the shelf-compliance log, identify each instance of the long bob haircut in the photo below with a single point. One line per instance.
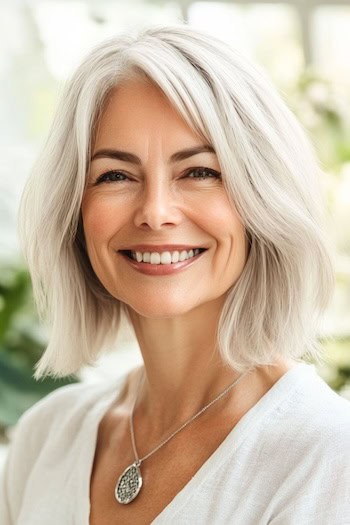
(269, 172)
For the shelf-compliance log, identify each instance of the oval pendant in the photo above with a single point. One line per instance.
(129, 484)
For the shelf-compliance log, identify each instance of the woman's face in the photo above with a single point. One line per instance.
(154, 196)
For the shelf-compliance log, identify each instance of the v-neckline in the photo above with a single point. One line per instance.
(228, 446)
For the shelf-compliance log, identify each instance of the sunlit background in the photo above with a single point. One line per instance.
(305, 47)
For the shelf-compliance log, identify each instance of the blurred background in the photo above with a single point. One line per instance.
(304, 46)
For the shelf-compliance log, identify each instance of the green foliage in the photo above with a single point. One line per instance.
(21, 344)
(338, 352)
(323, 109)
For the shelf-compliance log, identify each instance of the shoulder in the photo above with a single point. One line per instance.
(309, 425)
(312, 433)
(69, 396)
(49, 432)
(57, 419)
(307, 446)
(311, 400)
(326, 413)
(63, 409)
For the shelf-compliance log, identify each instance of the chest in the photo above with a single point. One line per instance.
(164, 474)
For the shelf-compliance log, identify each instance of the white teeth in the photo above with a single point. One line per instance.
(164, 257)
(175, 257)
(155, 258)
(183, 255)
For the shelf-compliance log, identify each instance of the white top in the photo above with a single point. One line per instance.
(286, 462)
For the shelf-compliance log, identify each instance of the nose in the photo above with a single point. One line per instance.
(158, 205)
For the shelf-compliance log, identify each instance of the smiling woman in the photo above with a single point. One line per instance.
(177, 189)
(162, 201)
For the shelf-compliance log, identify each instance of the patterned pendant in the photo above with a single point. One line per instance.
(129, 484)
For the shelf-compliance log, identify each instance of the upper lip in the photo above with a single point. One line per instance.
(161, 247)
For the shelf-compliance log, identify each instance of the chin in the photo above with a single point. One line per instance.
(161, 309)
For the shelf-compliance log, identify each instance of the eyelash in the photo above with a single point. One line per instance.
(216, 174)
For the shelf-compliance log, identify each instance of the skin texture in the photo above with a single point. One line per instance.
(174, 316)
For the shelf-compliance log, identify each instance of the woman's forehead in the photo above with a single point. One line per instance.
(138, 113)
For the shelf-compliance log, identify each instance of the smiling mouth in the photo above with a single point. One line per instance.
(132, 255)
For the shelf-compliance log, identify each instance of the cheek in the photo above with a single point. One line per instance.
(221, 218)
(99, 218)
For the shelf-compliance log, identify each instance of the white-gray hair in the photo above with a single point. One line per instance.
(270, 174)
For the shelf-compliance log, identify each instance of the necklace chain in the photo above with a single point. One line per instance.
(185, 424)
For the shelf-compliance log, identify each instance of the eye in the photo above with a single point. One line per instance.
(111, 176)
(203, 173)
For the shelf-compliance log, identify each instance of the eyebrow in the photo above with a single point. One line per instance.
(133, 159)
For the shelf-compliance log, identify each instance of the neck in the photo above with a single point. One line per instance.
(183, 370)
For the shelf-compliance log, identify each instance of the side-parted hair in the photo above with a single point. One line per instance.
(269, 172)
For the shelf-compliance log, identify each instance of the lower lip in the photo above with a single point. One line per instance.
(161, 269)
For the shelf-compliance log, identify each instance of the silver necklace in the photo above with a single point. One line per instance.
(130, 481)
